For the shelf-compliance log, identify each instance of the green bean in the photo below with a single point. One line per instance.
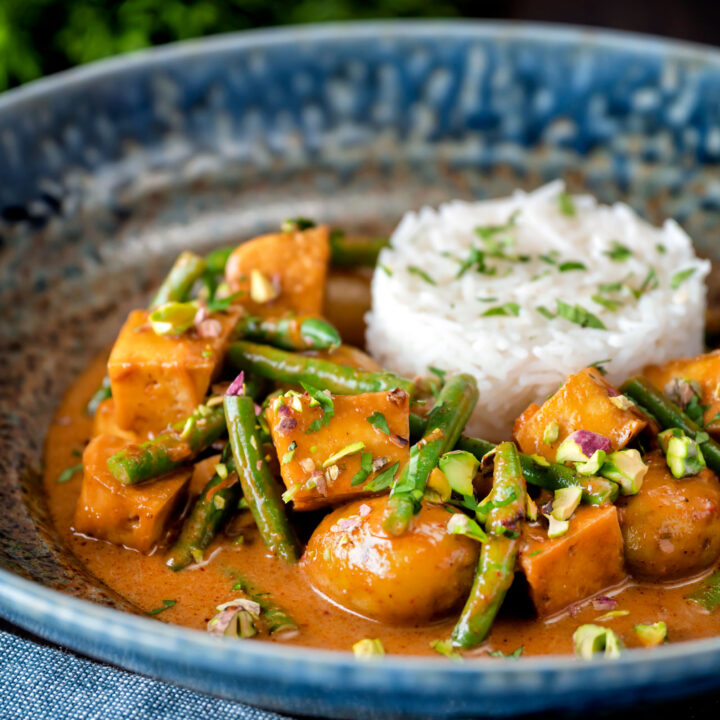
(282, 366)
(669, 415)
(216, 260)
(445, 422)
(291, 332)
(176, 287)
(212, 509)
(596, 490)
(496, 568)
(278, 621)
(172, 448)
(259, 487)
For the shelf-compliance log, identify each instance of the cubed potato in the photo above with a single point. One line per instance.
(136, 516)
(158, 380)
(581, 563)
(584, 402)
(349, 425)
(295, 261)
(705, 370)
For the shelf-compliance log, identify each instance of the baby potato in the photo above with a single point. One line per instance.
(671, 528)
(413, 578)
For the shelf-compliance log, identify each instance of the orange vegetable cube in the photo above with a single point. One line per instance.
(294, 263)
(158, 380)
(584, 402)
(135, 516)
(307, 455)
(105, 423)
(577, 565)
(703, 369)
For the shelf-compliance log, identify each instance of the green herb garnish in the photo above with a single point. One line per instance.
(415, 270)
(386, 269)
(299, 224)
(661, 248)
(514, 655)
(579, 315)
(68, 473)
(545, 312)
(611, 305)
(571, 265)
(167, 604)
(567, 206)
(350, 449)
(649, 283)
(383, 480)
(610, 287)
(708, 596)
(487, 299)
(444, 647)
(365, 469)
(680, 277)
(326, 404)
(618, 252)
(505, 310)
(378, 421)
(222, 304)
(598, 365)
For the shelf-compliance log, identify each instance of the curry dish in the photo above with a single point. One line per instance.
(237, 464)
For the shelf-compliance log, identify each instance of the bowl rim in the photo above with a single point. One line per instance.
(26, 602)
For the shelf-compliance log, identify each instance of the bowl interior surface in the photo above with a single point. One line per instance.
(110, 171)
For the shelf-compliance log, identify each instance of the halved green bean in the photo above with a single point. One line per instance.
(292, 332)
(259, 487)
(596, 490)
(172, 448)
(496, 569)
(279, 622)
(669, 415)
(445, 422)
(176, 287)
(212, 509)
(283, 366)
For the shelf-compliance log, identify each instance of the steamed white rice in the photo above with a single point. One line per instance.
(438, 321)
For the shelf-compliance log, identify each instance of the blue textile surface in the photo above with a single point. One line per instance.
(40, 682)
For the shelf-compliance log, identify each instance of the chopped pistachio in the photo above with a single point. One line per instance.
(556, 528)
(565, 502)
(612, 615)
(551, 433)
(291, 492)
(540, 460)
(438, 488)
(221, 470)
(651, 635)
(262, 289)
(368, 648)
(682, 454)
(461, 524)
(288, 456)
(627, 469)
(350, 449)
(459, 467)
(445, 647)
(531, 508)
(591, 639)
(173, 318)
(622, 402)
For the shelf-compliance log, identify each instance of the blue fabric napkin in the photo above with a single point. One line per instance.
(40, 682)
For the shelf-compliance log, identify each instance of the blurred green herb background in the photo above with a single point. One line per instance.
(38, 37)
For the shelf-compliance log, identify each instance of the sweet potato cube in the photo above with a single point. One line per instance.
(584, 402)
(158, 380)
(135, 516)
(304, 451)
(581, 563)
(295, 262)
(705, 370)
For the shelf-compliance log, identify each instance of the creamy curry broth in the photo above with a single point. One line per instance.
(145, 580)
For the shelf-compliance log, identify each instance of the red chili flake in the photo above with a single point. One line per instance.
(320, 482)
(346, 524)
(286, 425)
(209, 328)
(284, 411)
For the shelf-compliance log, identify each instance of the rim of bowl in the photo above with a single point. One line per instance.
(26, 602)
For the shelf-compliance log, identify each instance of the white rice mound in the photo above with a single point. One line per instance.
(517, 360)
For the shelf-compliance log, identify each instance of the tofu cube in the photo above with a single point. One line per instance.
(584, 402)
(290, 419)
(577, 565)
(294, 262)
(158, 380)
(136, 516)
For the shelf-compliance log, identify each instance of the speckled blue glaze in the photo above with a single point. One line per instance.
(106, 172)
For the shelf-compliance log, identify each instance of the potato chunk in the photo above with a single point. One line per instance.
(581, 563)
(290, 421)
(705, 371)
(423, 574)
(158, 380)
(295, 262)
(671, 527)
(135, 516)
(584, 402)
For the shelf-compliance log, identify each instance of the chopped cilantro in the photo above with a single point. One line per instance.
(695, 411)
(222, 304)
(415, 270)
(378, 421)
(515, 654)
(507, 309)
(487, 299)
(610, 287)
(550, 258)
(571, 265)
(579, 315)
(649, 283)
(533, 554)
(383, 480)
(598, 365)
(618, 252)
(612, 305)
(365, 469)
(167, 604)
(386, 269)
(487, 231)
(661, 248)
(68, 473)
(680, 277)
(299, 224)
(475, 258)
(437, 371)
(326, 405)
(545, 312)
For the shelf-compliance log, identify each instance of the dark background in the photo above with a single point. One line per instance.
(38, 37)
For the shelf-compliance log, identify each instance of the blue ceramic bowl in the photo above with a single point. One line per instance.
(108, 171)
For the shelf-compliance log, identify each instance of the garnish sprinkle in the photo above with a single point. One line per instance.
(415, 270)
(167, 604)
(444, 647)
(378, 421)
(680, 277)
(618, 252)
(514, 655)
(506, 310)
(288, 456)
(68, 473)
(326, 405)
(567, 206)
(366, 466)
(383, 480)
(579, 315)
(571, 265)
